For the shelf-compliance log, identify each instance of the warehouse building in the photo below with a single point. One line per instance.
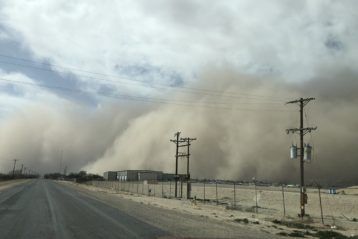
(127, 175)
(110, 175)
(168, 177)
(139, 175)
(150, 175)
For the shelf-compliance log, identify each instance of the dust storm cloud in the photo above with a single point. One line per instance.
(241, 131)
(46, 139)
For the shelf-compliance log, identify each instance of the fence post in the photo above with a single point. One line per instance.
(320, 203)
(170, 188)
(204, 191)
(162, 189)
(257, 206)
(283, 201)
(181, 188)
(234, 195)
(137, 186)
(216, 192)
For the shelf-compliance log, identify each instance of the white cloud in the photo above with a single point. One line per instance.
(3, 35)
(20, 93)
(284, 37)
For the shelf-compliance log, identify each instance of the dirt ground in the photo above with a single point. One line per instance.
(340, 211)
(10, 183)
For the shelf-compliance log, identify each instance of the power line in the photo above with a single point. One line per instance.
(118, 96)
(157, 86)
(185, 89)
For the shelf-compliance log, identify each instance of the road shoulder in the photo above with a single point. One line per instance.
(12, 183)
(210, 214)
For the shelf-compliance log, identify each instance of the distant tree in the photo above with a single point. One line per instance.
(79, 177)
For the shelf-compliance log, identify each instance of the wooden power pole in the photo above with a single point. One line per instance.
(13, 170)
(177, 142)
(182, 142)
(302, 131)
(187, 155)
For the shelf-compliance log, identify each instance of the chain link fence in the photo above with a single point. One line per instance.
(275, 201)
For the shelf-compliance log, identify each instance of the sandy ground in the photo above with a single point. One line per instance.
(339, 210)
(10, 183)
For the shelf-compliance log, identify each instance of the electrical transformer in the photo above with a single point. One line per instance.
(293, 152)
(308, 153)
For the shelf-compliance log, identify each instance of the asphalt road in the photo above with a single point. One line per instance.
(46, 209)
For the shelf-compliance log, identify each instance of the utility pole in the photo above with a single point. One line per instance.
(302, 131)
(13, 170)
(65, 171)
(61, 162)
(182, 142)
(177, 141)
(188, 185)
(22, 167)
